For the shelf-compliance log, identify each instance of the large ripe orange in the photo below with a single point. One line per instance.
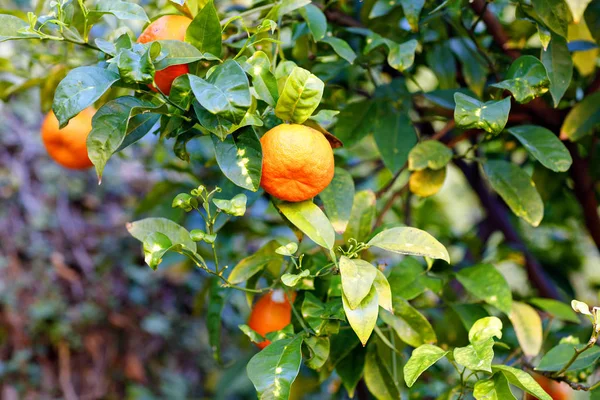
(168, 27)
(272, 312)
(297, 162)
(556, 390)
(67, 146)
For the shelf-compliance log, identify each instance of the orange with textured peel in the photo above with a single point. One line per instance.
(272, 312)
(297, 162)
(168, 27)
(67, 146)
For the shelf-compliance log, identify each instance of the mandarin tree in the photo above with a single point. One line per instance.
(416, 181)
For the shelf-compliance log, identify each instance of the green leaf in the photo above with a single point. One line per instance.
(80, 89)
(361, 216)
(490, 116)
(384, 292)
(273, 370)
(522, 380)
(264, 82)
(410, 241)
(309, 218)
(177, 52)
(412, 10)
(341, 47)
(350, 368)
(487, 284)
(543, 145)
(402, 56)
(473, 65)
(429, 154)
(485, 328)
(356, 121)
(288, 249)
(319, 351)
(582, 119)
(528, 327)
(469, 314)
(292, 280)
(337, 199)
(378, 378)
(155, 246)
(420, 360)
(300, 96)
(117, 124)
(526, 79)
(477, 356)
(494, 388)
(409, 324)
(427, 182)
(235, 207)
(438, 58)
(408, 279)
(580, 307)
(249, 266)
(363, 318)
(175, 233)
(10, 27)
(252, 335)
(357, 279)
(136, 68)
(323, 319)
(545, 36)
(560, 355)
(216, 302)
(225, 93)
(554, 13)
(124, 10)
(240, 158)
(592, 20)
(559, 66)
(316, 21)
(394, 135)
(204, 32)
(555, 308)
(287, 6)
(516, 188)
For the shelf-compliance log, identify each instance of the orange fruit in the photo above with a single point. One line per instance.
(556, 390)
(297, 162)
(272, 312)
(67, 146)
(168, 27)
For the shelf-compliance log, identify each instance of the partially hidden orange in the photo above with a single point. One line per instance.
(167, 27)
(271, 313)
(67, 146)
(297, 162)
(556, 390)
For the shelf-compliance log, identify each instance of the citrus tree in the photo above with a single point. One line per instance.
(348, 117)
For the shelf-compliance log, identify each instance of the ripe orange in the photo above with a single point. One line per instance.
(168, 27)
(67, 146)
(272, 312)
(297, 162)
(556, 390)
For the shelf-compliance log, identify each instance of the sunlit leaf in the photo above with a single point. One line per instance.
(205, 30)
(240, 158)
(544, 146)
(300, 96)
(309, 218)
(420, 360)
(490, 116)
(357, 279)
(583, 118)
(337, 199)
(522, 380)
(487, 284)
(363, 318)
(410, 241)
(559, 66)
(526, 79)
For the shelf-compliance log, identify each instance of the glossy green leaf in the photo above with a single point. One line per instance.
(10, 27)
(402, 56)
(522, 380)
(583, 118)
(248, 267)
(555, 308)
(205, 30)
(135, 67)
(356, 121)
(412, 11)
(379, 378)
(117, 124)
(309, 218)
(410, 241)
(80, 89)
(155, 246)
(441, 60)
(362, 216)
(409, 324)
(526, 79)
(490, 116)
(429, 154)
(319, 351)
(324, 319)
(124, 10)
(487, 284)
(516, 188)
(357, 279)
(216, 303)
(473, 65)
(264, 82)
(174, 232)
(559, 66)
(341, 47)
(350, 368)
(555, 359)
(554, 13)
(177, 52)
(395, 136)
(337, 199)
(477, 356)
(300, 96)
(292, 280)
(528, 327)
(363, 318)
(544, 146)
(316, 21)
(592, 19)
(384, 291)
(274, 369)
(235, 207)
(408, 279)
(485, 328)
(240, 158)
(420, 360)
(494, 388)
(287, 250)
(225, 93)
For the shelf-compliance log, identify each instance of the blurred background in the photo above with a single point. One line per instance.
(82, 316)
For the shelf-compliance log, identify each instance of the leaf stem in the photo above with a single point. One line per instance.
(578, 352)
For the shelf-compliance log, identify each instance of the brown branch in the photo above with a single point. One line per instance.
(494, 27)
